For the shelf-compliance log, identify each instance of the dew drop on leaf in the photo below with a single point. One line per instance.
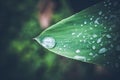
(108, 36)
(48, 42)
(77, 51)
(80, 58)
(99, 40)
(102, 50)
(100, 13)
(93, 47)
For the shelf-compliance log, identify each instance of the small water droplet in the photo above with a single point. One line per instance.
(91, 54)
(73, 33)
(48, 42)
(109, 3)
(106, 17)
(84, 41)
(95, 25)
(94, 35)
(93, 41)
(88, 59)
(83, 36)
(64, 46)
(96, 21)
(99, 40)
(111, 45)
(105, 5)
(91, 28)
(91, 19)
(60, 48)
(95, 55)
(77, 51)
(100, 13)
(80, 40)
(108, 36)
(91, 38)
(80, 58)
(102, 50)
(93, 47)
(79, 34)
(85, 22)
(81, 25)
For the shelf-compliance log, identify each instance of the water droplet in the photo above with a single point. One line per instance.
(91, 38)
(91, 19)
(100, 13)
(91, 28)
(96, 21)
(93, 41)
(64, 46)
(85, 22)
(73, 33)
(111, 45)
(95, 25)
(80, 40)
(48, 42)
(88, 59)
(110, 29)
(99, 40)
(93, 47)
(83, 36)
(80, 58)
(81, 25)
(77, 51)
(95, 55)
(91, 54)
(60, 48)
(110, 3)
(108, 36)
(106, 17)
(94, 35)
(79, 34)
(105, 5)
(102, 50)
(101, 44)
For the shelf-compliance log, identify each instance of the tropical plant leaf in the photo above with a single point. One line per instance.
(92, 35)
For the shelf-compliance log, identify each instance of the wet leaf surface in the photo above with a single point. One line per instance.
(92, 35)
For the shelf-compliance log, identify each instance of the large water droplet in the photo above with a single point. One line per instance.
(48, 42)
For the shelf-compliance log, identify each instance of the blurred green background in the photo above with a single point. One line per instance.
(22, 58)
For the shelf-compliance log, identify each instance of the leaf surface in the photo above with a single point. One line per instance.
(92, 35)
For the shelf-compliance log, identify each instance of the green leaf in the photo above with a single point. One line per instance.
(92, 35)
